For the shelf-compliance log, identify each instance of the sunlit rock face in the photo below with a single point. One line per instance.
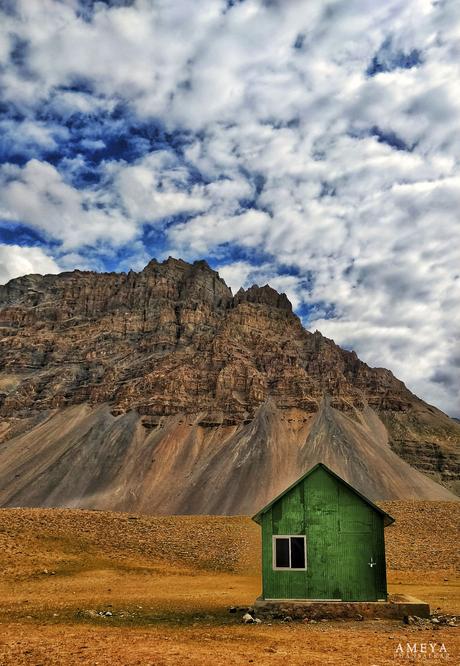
(160, 383)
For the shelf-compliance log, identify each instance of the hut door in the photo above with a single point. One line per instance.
(367, 588)
(358, 570)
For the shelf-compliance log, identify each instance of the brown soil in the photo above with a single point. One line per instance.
(168, 582)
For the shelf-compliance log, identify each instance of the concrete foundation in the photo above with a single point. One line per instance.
(396, 607)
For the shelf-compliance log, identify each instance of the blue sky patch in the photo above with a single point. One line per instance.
(390, 139)
(388, 59)
(14, 233)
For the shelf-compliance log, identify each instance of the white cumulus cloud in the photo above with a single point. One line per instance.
(16, 260)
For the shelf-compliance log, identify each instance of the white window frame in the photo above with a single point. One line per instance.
(288, 536)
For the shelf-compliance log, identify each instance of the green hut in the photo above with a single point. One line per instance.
(323, 540)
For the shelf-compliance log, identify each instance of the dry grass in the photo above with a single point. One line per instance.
(168, 582)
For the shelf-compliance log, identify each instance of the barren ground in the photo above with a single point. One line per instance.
(168, 582)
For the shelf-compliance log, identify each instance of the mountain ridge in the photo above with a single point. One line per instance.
(171, 343)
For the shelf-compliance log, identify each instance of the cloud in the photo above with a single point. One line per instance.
(16, 260)
(207, 231)
(156, 187)
(26, 137)
(38, 196)
(311, 145)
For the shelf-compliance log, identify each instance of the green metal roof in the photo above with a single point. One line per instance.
(388, 520)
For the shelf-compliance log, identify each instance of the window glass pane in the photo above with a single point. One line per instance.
(282, 553)
(297, 553)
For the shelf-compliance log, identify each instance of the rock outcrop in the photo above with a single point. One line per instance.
(170, 353)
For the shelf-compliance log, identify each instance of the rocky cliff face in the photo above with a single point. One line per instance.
(172, 339)
(172, 342)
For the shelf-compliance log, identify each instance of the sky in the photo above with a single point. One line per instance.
(313, 145)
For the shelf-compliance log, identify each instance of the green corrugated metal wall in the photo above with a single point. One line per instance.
(343, 532)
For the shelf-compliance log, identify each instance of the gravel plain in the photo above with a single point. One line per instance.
(113, 589)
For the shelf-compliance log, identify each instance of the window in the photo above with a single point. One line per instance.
(289, 552)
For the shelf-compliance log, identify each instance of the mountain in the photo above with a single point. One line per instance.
(161, 391)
